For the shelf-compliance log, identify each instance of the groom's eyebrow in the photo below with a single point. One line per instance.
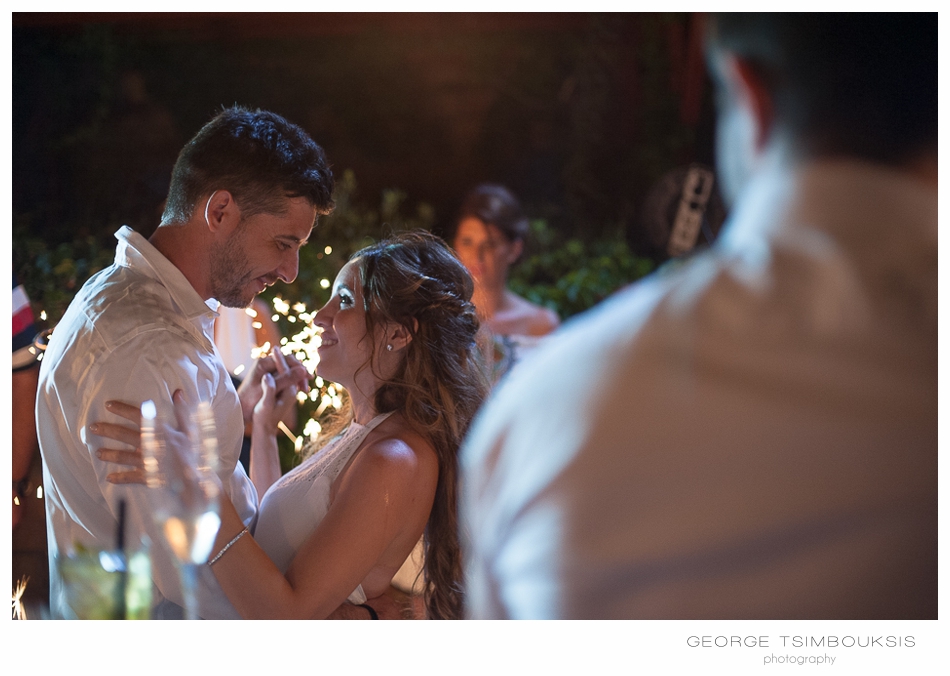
(293, 240)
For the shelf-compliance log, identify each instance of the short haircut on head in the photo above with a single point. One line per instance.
(859, 84)
(257, 156)
(496, 205)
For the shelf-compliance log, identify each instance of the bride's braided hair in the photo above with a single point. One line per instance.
(415, 280)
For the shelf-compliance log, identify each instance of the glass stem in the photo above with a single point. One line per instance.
(189, 589)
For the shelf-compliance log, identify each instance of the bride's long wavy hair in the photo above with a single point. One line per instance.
(415, 280)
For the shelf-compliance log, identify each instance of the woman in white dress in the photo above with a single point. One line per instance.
(399, 333)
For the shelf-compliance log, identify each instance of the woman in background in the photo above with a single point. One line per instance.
(489, 238)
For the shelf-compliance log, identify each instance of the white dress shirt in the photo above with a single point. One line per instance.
(235, 339)
(751, 433)
(136, 331)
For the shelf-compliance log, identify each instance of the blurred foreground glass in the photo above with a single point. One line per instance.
(184, 492)
(107, 584)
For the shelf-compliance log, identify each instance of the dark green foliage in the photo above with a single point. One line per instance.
(53, 274)
(570, 276)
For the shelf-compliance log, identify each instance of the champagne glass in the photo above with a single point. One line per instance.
(180, 466)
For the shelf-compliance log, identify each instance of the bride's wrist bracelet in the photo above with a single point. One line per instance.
(214, 559)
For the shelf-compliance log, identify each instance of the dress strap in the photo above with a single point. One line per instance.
(377, 420)
(354, 435)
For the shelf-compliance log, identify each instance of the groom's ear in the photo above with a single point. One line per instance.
(221, 213)
(752, 95)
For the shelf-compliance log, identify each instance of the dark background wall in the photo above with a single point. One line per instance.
(579, 113)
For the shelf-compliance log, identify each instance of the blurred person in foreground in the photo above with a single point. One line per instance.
(489, 238)
(757, 435)
(244, 196)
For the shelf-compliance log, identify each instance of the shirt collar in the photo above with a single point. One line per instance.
(136, 252)
(847, 200)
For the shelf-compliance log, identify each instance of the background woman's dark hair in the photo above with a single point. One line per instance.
(415, 280)
(258, 156)
(496, 205)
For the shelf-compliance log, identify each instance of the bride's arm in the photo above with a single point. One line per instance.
(387, 486)
(379, 495)
(277, 400)
(265, 460)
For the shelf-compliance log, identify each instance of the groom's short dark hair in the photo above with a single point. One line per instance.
(258, 156)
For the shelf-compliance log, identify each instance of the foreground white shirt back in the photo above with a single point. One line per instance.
(136, 331)
(748, 434)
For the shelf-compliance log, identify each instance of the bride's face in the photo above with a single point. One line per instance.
(345, 344)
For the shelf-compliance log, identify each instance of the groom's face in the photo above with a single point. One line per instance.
(262, 249)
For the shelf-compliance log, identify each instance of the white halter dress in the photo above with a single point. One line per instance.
(293, 506)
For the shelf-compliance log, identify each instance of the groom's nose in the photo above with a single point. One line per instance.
(289, 265)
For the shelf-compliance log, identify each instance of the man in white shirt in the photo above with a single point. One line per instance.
(244, 196)
(753, 433)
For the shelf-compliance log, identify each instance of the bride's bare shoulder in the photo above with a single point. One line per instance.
(394, 446)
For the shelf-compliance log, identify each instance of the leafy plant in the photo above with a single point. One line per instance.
(571, 275)
(53, 275)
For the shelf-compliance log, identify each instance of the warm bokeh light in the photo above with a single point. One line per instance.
(303, 345)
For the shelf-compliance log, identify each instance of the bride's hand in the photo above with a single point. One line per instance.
(273, 406)
(290, 377)
(130, 435)
(126, 435)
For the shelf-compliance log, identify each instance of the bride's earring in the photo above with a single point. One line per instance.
(389, 347)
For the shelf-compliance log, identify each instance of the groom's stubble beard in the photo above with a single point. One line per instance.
(230, 271)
